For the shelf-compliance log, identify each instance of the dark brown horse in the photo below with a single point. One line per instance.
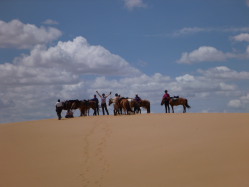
(177, 101)
(86, 105)
(70, 105)
(145, 104)
(135, 105)
(92, 105)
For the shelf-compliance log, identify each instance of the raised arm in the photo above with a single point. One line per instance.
(109, 94)
(98, 94)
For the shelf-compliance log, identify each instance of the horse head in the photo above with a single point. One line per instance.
(110, 101)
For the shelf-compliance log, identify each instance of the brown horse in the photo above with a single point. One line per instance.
(116, 106)
(177, 101)
(145, 104)
(83, 107)
(124, 104)
(92, 105)
(135, 105)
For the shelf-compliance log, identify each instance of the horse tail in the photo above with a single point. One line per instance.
(148, 107)
(187, 104)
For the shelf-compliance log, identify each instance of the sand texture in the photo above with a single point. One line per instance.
(148, 150)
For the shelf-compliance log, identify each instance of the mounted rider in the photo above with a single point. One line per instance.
(138, 99)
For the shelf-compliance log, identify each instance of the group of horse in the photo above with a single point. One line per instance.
(83, 105)
(122, 105)
(128, 105)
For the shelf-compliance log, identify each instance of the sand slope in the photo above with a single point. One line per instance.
(148, 150)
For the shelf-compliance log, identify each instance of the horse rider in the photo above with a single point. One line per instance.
(116, 98)
(166, 97)
(138, 99)
(95, 99)
(58, 108)
(103, 102)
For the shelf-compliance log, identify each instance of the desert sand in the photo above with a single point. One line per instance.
(147, 150)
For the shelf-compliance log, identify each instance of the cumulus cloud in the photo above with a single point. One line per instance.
(241, 102)
(185, 78)
(131, 4)
(242, 37)
(64, 63)
(200, 85)
(203, 54)
(15, 34)
(225, 73)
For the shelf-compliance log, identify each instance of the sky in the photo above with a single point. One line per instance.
(69, 49)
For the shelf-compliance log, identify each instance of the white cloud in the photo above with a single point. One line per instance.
(15, 34)
(131, 4)
(241, 102)
(185, 78)
(236, 103)
(64, 63)
(193, 30)
(203, 54)
(50, 22)
(242, 37)
(190, 30)
(225, 73)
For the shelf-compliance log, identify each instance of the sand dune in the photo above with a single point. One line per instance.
(148, 150)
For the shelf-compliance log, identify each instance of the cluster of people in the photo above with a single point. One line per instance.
(103, 97)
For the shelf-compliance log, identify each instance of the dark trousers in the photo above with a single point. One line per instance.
(104, 108)
(58, 111)
(167, 109)
(96, 111)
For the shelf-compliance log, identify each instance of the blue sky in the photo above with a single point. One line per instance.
(64, 49)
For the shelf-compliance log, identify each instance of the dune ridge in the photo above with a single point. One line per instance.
(127, 151)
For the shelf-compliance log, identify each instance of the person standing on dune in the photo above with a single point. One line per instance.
(58, 108)
(103, 102)
(166, 96)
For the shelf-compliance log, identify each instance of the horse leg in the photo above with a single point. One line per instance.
(184, 109)
(172, 109)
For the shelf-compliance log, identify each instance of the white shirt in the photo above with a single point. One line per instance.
(58, 104)
(103, 99)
